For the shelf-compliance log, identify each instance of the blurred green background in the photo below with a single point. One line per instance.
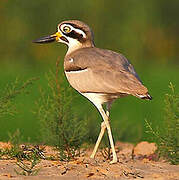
(146, 32)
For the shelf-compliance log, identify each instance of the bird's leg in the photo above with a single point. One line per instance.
(106, 121)
(105, 117)
(103, 128)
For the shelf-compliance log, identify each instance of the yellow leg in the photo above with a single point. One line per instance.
(103, 128)
(105, 125)
(105, 117)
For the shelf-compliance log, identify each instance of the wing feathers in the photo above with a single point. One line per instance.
(108, 72)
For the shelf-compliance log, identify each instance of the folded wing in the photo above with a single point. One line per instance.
(106, 72)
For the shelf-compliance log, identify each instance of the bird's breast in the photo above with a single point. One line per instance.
(78, 78)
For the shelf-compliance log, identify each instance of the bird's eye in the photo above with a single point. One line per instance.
(66, 29)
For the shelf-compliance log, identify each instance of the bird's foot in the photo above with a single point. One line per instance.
(92, 156)
(114, 161)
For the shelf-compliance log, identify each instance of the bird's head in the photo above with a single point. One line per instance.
(75, 34)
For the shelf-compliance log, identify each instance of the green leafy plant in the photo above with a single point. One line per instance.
(13, 151)
(11, 91)
(167, 136)
(60, 127)
(30, 158)
(27, 157)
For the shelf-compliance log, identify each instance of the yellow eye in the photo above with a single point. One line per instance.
(66, 29)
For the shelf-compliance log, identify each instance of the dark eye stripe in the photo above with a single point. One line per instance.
(73, 34)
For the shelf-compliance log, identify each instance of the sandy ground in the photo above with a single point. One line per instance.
(134, 163)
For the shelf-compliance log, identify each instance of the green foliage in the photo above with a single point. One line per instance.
(32, 157)
(10, 93)
(167, 136)
(27, 156)
(16, 138)
(14, 151)
(60, 127)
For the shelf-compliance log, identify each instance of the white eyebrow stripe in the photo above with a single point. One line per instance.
(75, 29)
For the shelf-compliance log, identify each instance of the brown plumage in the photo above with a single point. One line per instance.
(108, 72)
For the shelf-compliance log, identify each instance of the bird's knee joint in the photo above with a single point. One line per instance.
(103, 125)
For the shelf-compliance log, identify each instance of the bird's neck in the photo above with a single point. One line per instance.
(75, 45)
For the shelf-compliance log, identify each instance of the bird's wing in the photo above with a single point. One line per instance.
(107, 72)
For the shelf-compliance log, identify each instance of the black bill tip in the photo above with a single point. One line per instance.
(46, 39)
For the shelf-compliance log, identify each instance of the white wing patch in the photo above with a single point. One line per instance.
(141, 96)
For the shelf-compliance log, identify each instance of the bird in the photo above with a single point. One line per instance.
(100, 75)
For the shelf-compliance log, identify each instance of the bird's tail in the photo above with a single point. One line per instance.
(146, 96)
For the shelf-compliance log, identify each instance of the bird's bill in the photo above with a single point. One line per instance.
(48, 39)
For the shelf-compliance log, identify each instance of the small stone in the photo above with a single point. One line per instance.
(145, 149)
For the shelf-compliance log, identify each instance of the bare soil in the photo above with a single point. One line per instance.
(138, 162)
